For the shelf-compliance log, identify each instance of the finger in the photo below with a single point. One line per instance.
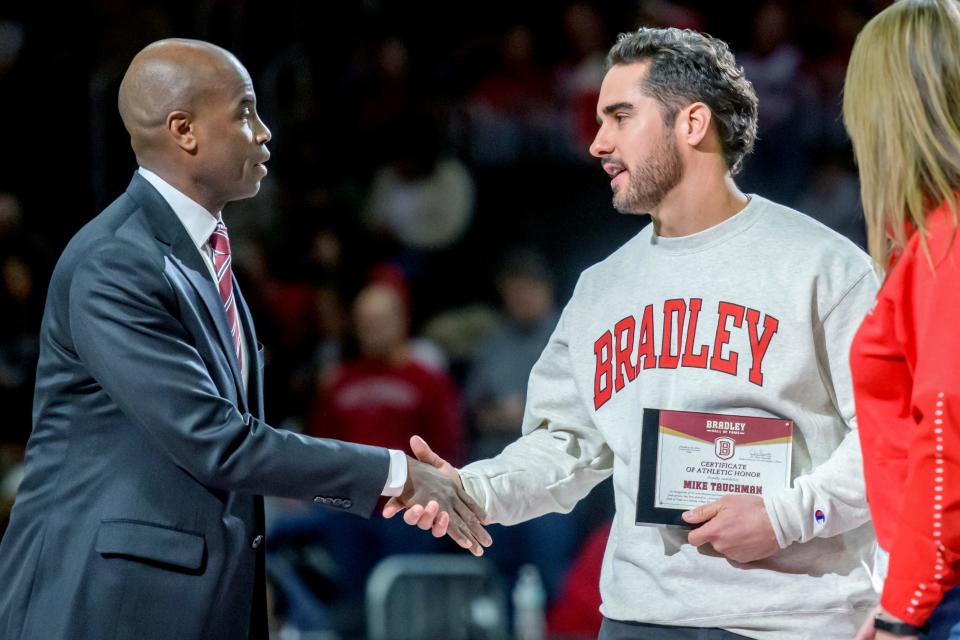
(474, 516)
(458, 533)
(392, 508)
(413, 514)
(702, 513)
(476, 530)
(471, 504)
(473, 546)
(429, 515)
(424, 453)
(701, 536)
(441, 524)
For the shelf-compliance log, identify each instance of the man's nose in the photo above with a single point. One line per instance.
(263, 133)
(601, 144)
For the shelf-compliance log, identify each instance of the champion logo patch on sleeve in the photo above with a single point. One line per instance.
(819, 516)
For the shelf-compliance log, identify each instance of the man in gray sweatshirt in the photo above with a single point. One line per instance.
(728, 303)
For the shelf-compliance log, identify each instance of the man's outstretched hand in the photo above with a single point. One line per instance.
(434, 499)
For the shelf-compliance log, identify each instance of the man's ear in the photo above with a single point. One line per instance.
(693, 123)
(180, 127)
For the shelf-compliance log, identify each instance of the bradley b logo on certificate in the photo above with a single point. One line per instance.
(688, 459)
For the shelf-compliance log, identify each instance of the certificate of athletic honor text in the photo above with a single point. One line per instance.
(696, 458)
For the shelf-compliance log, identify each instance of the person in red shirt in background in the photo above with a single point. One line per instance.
(576, 612)
(387, 394)
(902, 110)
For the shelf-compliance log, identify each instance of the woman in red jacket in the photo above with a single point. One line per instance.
(902, 108)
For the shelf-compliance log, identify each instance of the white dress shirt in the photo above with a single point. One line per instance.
(199, 224)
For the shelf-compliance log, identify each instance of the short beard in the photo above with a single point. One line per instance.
(651, 182)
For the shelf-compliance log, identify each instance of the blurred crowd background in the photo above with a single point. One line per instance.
(429, 206)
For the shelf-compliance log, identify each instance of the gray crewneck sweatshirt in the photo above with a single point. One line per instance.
(753, 316)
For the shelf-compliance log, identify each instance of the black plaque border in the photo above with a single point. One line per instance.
(647, 514)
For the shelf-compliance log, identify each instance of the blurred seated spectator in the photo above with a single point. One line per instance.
(787, 118)
(459, 332)
(496, 390)
(9, 483)
(418, 209)
(833, 194)
(421, 199)
(386, 395)
(662, 13)
(513, 115)
(383, 396)
(288, 330)
(378, 85)
(497, 381)
(836, 31)
(579, 77)
(24, 271)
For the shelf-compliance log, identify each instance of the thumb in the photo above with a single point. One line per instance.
(702, 513)
(424, 453)
(392, 508)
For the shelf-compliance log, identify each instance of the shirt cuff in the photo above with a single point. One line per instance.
(775, 523)
(397, 475)
(881, 562)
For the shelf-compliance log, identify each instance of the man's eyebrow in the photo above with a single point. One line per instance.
(616, 106)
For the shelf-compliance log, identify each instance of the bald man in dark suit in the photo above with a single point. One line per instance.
(140, 513)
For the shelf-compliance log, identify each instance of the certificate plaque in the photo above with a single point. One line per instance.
(688, 459)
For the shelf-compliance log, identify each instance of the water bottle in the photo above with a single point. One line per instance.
(529, 599)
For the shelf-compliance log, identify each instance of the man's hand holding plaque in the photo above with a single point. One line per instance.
(736, 526)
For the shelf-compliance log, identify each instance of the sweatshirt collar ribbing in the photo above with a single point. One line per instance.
(732, 226)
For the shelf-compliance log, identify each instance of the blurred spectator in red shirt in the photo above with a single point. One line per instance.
(386, 395)
(576, 613)
(579, 77)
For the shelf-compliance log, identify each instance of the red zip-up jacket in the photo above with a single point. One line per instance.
(905, 362)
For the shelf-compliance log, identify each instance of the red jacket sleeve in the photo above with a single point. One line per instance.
(925, 555)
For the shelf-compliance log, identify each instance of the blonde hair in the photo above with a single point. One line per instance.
(901, 106)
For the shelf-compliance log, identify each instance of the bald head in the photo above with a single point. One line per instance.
(191, 112)
(169, 76)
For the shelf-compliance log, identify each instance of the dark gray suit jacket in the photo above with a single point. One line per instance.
(139, 516)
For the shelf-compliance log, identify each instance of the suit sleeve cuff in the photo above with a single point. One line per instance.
(397, 475)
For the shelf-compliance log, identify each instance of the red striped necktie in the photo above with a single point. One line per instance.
(220, 243)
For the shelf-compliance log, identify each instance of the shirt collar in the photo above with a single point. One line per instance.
(198, 222)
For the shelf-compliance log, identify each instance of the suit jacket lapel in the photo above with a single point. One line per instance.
(255, 386)
(189, 261)
(168, 229)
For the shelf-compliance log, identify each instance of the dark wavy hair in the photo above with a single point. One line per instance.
(687, 67)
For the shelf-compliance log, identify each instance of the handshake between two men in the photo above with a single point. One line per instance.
(434, 499)
(736, 526)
